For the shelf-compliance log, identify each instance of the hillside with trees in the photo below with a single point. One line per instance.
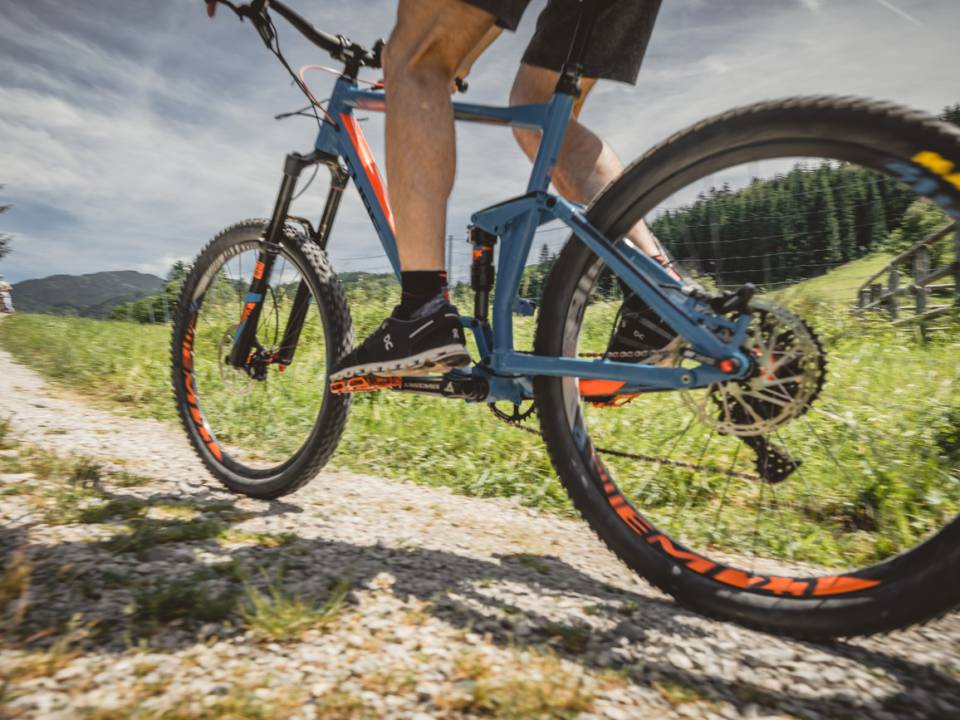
(792, 227)
(91, 295)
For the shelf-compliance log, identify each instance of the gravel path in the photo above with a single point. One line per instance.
(457, 606)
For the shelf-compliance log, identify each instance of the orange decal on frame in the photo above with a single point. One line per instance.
(369, 165)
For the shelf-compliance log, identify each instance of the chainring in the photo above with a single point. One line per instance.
(786, 377)
(517, 415)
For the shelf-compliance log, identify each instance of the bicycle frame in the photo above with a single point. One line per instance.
(341, 145)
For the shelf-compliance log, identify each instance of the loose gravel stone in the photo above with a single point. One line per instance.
(450, 597)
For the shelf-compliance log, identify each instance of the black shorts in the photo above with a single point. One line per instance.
(619, 42)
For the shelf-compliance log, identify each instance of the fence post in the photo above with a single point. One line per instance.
(921, 268)
(893, 284)
(876, 292)
(862, 296)
(715, 246)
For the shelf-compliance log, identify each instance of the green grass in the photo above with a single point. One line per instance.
(840, 285)
(275, 614)
(421, 439)
(887, 476)
(184, 599)
(531, 685)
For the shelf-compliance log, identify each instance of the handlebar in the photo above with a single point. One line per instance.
(339, 47)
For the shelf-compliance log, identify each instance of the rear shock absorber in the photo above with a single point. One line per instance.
(482, 271)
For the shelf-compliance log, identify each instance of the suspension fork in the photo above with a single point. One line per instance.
(301, 302)
(245, 338)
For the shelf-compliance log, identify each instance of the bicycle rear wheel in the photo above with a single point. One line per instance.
(820, 496)
(261, 436)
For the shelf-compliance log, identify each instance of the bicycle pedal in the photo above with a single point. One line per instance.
(364, 383)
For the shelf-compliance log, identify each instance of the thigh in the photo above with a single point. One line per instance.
(619, 41)
(446, 30)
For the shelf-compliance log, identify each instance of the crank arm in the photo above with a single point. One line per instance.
(469, 388)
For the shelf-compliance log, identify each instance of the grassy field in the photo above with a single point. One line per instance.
(428, 440)
(839, 286)
(880, 448)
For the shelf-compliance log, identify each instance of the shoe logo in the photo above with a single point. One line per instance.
(639, 335)
(456, 335)
(387, 344)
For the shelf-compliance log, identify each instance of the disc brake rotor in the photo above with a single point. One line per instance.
(788, 368)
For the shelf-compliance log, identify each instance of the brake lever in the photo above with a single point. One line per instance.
(376, 53)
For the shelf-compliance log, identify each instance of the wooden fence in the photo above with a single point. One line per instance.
(910, 275)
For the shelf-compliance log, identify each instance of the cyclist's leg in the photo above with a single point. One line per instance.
(427, 45)
(586, 163)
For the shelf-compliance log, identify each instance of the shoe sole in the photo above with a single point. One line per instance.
(436, 360)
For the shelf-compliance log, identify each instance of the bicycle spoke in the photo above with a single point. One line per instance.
(698, 466)
(255, 420)
(756, 529)
(726, 487)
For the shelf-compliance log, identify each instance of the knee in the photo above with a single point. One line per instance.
(417, 59)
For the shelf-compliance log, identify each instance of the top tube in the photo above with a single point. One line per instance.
(530, 117)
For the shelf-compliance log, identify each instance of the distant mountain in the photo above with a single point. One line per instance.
(90, 295)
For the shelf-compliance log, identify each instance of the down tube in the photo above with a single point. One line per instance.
(373, 191)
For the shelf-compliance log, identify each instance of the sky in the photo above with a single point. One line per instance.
(131, 132)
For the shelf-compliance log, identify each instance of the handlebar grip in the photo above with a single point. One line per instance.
(317, 37)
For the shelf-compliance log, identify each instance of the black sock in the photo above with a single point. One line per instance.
(417, 287)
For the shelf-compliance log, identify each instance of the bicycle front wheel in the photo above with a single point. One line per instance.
(266, 430)
(819, 496)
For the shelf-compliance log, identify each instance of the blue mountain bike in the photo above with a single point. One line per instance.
(793, 469)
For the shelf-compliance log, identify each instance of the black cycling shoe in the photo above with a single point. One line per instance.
(429, 341)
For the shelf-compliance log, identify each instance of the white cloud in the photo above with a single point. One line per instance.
(117, 158)
(905, 15)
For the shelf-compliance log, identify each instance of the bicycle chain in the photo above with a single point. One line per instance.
(518, 423)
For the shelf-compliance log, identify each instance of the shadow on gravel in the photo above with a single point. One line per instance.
(97, 582)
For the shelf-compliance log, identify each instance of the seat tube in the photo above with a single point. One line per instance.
(561, 107)
(558, 117)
